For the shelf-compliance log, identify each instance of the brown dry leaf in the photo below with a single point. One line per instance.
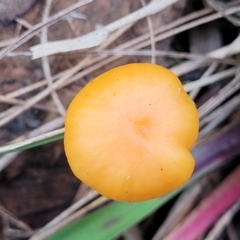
(10, 9)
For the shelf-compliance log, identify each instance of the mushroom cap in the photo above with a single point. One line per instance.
(128, 133)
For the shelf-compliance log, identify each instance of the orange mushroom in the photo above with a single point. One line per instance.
(128, 133)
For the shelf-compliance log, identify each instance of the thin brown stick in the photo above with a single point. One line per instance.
(8, 111)
(14, 101)
(223, 94)
(151, 33)
(223, 222)
(33, 86)
(98, 202)
(45, 62)
(12, 219)
(173, 54)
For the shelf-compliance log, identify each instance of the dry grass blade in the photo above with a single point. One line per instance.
(6, 99)
(209, 209)
(223, 5)
(98, 202)
(223, 94)
(17, 145)
(208, 72)
(7, 42)
(179, 210)
(151, 33)
(210, 80)
(45, 62)
(9, 111)
(172, 54)
(12, 219)
(7, 159)
(215, 118)
(57, 220)
(222, 52)
(33, 86)
(223, 221)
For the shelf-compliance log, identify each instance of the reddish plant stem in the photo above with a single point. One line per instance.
(208, 211)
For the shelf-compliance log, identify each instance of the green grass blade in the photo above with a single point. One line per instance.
(110, 221)
(17, 147)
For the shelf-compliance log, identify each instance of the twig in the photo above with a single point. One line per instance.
(223, 222)
(225, 109)
(7, 42)
(219, 115)
(207, 73)
(151, 33)
(173, 54)
(33, 86)
(214, 66)
(9, 111)
(223, 94)
(222, 52)
(45, 62)
(7, 159)
(25, 24)
(209, 80)
(9, 100)
(12, 219)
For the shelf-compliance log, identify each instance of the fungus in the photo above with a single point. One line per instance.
(124, 147)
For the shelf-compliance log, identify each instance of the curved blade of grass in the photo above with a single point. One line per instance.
(32, 142)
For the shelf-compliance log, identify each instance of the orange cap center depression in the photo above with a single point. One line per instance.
(128, 133)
